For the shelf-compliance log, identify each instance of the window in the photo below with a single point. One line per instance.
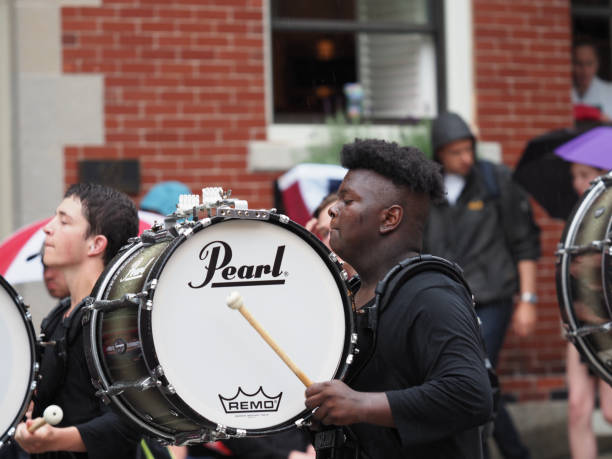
(591, 22)
(376, 60)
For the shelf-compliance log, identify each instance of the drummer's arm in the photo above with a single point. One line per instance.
(338, 404)
(525, 313)
(49, 438)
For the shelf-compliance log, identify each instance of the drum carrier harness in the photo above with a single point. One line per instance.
(336, 442)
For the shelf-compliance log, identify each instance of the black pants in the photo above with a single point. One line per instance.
(495, 318)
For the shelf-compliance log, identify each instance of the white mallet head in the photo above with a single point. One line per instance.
(234, 300)
(53, 415)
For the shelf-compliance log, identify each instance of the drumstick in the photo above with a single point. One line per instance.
(234, 301)
(52, 415)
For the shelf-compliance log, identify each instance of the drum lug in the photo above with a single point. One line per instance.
(129, 299)
(283, 219)
(349, 359)
(119, 387)
(169, 389)
(100, 392)
(589, 330)
(191, 438)
(594, 246)
(353, 338)
(240, 433)
(220, 432)
(302, 423)
(33, 385)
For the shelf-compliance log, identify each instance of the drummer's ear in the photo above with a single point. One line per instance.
(97, 245)
(390, 218)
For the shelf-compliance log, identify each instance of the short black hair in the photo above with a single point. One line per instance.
(109, 212)
(586, 41)
(404, 166)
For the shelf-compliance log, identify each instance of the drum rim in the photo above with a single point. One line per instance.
(150, 353)
(568, 238)
(27, 319)
(90, 342)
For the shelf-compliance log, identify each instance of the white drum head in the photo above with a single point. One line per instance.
(15, 361)
(218, 364)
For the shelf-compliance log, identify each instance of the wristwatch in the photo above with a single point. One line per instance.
(529, 297)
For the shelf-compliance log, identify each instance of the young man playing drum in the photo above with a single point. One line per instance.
(89, 227)
(423, 392)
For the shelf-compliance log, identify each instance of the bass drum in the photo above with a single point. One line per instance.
(584, 277)
(18, 360)
(166, 349)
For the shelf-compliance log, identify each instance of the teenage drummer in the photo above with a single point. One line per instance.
(89, 227)
(422, 390)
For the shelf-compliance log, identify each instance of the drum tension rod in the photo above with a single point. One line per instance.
(129, 299)
(589, 329)
(578, 249)
(119, 387)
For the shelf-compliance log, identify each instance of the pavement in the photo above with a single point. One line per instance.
(543, 428)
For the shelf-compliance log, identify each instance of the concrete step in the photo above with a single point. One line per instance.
(543, 428)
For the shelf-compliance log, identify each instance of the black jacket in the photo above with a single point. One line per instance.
(65, 381)
(487, 231)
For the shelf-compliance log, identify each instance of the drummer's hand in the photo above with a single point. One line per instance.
(338, 404)
(524, 318)
(311, 225)
(309, 454)
(36, 442)
(30, 409)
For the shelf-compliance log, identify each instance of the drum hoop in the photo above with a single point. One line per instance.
(568, 238)
(148, 345)
(90, 340)
(27, 319)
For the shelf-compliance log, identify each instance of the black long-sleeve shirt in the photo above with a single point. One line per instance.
(66, 382)
(429, 361)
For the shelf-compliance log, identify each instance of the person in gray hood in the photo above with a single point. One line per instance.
(486, 226)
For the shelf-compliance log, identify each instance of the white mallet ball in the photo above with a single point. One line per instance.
(53, 415)
(234, 300)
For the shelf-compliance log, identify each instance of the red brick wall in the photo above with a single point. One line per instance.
(522, 68)
(184, 88)
(184, 92)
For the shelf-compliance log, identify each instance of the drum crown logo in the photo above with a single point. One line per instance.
(218, 254)
(258, 402)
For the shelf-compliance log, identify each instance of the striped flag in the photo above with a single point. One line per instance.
(301, 189)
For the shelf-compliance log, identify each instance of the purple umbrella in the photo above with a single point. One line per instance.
(593, 148)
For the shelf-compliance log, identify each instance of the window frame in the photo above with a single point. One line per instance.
(435, 27)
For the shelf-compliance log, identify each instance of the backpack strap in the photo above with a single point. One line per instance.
(487, 170)
(387, 288)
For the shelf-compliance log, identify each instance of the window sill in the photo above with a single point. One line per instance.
(288, 144)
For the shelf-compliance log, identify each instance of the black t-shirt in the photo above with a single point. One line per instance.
(429, 361)
(276, 446)
(65, 381)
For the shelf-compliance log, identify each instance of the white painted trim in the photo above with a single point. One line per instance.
(267, 55)
(459, 47)
(6, 117)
